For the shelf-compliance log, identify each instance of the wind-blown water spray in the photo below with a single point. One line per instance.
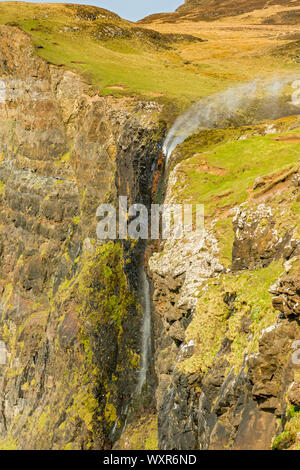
(244, 103)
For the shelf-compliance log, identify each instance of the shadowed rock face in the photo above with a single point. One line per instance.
(227, 408)
(72, 361)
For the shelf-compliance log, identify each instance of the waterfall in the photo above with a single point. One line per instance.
(146, 346)
(270, 99)
(114, 429)
(146, 330)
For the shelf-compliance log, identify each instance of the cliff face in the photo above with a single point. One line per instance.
(70, 318)
(225, 307)
(227, 304)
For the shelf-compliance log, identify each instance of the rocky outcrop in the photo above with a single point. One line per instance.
(257, 242)
(287, 295)
(231, 407)
(227, 337)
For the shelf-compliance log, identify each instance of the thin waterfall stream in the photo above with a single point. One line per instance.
(146, 349)
(146, 330)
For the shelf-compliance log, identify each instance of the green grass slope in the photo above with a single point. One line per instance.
(119, 57)
(218, 168)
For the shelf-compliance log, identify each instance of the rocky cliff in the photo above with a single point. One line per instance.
(225, 306)
(70, 316)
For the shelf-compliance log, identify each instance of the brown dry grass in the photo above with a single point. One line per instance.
(234, 50)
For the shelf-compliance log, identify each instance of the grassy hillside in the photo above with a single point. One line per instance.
(119, 57)
(114, 54)
(219, 168)
(212, 10)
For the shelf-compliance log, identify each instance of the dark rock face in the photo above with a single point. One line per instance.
(287, 299)
(176, 424)
(232, 411)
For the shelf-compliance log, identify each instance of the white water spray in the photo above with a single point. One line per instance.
(114, 429)
(216, 110)
(146, 330)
